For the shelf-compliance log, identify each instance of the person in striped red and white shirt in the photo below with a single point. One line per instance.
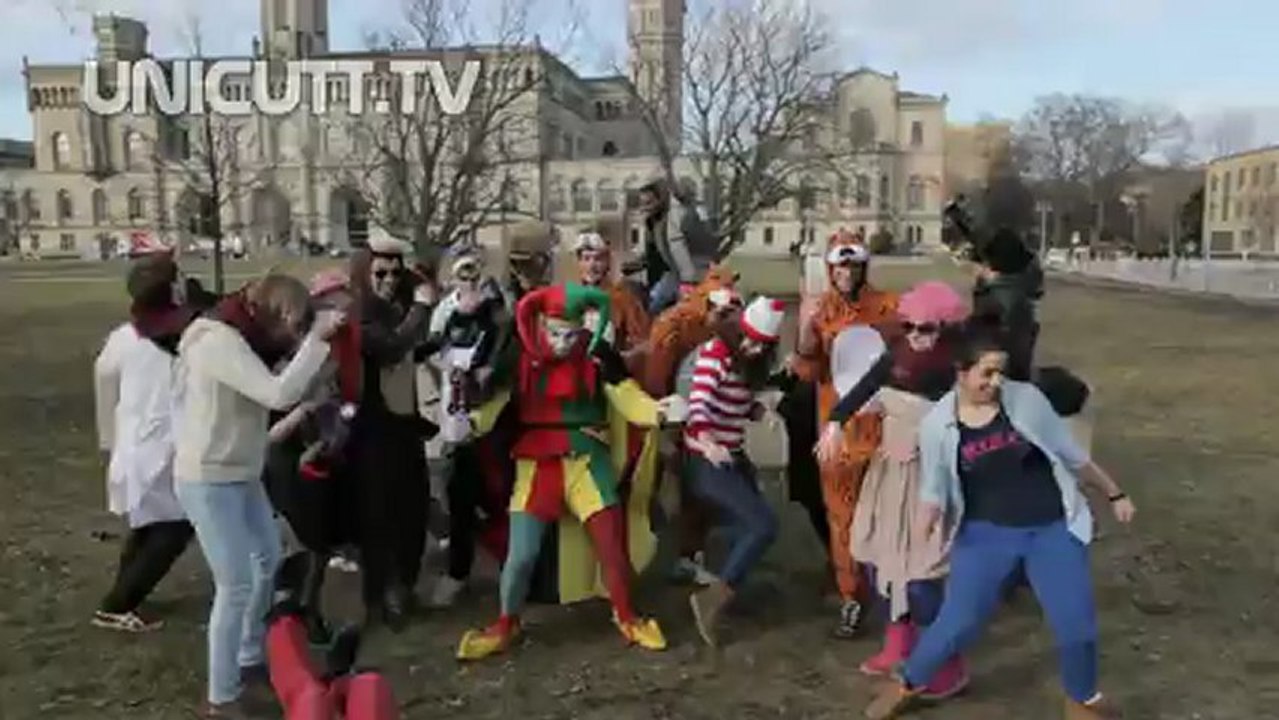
(730, 368)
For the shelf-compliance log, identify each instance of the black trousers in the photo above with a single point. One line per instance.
(393, 495)
(465, 499)
(149, 552)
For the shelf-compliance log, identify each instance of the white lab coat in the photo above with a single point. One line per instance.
(133, 388)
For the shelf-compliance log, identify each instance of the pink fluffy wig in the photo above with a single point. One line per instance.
(932, 301)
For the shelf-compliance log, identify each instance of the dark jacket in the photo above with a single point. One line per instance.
(1010, 302)
(682, 241)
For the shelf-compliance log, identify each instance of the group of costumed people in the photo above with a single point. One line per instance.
(936, 476)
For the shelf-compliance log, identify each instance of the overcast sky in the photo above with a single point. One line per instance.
(991, 57)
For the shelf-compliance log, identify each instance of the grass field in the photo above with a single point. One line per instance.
(1187, 413)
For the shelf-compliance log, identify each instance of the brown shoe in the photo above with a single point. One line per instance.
(707, 605)
(1098, 709)
(892, 700)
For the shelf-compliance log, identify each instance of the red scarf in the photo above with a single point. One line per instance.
(162, 326)
(345, 346)
(234, 311)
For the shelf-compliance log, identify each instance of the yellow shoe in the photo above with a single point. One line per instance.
(645, 633)
(493, 640)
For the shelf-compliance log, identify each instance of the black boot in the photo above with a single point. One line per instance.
(312, 587)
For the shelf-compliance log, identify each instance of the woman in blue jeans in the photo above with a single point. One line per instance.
(225, 389)
(727, 371)
(1001, 469)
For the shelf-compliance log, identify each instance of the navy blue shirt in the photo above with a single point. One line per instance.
(1006, 479)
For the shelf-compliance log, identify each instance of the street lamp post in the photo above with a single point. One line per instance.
(1043, 207)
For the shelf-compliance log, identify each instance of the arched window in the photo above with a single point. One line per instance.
(61, 151)
(30, 206)
(863, 191)
(137, 206)
(99, 207)
(555, 199)
(66, 209)
(607, 192)
(610, 148)
(915, 193)
(134, 150)
(885, 192)
(582, 200)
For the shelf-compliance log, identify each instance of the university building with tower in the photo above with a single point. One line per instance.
(99, 179)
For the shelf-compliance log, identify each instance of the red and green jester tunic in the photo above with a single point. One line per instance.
(563, 457)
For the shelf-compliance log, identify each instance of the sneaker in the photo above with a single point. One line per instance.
(343, 564)
(850, 617)
(445, 592)
(949, 681)
(891, 701)
(692, 570)
(1095, 709)
(129, 622)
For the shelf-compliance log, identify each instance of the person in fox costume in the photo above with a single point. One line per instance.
(566, 383)
(851, 300)
(675, 336)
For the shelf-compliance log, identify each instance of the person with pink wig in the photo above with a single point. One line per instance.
(905, 566)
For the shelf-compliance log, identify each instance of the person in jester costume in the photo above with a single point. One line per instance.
(567, 382)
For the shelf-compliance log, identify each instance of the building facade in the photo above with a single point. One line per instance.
(97, 179)
(1241, 204)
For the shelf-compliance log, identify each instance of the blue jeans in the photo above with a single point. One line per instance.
(923, 598)
(981, 560)
(740, 507)
(664, 294)
(241, 542)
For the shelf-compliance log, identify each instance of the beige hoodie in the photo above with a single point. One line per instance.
(224, 395)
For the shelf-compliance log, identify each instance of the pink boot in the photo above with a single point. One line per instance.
(949, 681)
(899, 640)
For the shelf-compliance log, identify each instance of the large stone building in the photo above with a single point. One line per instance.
(1241, 203)
(99, 178)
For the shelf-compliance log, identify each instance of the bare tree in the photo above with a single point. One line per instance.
(1084, 142)
(754, 120)
(435, 178)
(1228, 132)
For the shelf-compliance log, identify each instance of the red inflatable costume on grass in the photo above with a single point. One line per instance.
(304, 692)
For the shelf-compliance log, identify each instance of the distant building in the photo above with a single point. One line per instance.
(97, 179)
(17, 157)
(1241, 203)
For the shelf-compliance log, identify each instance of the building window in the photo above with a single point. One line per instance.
(1213, 183)
(884, 192)
(556, 200)
(1243, 177)
(66, 242)
(610, 149)
(99, 207)
(862, 191)
(1238, 209)
(915, 193)
(1252, 209)
(768, 236)
(1256, 176)
(607, 196)
(137, 207)
(65, 208)
(1212, 211)
(568, 146)
(582, 201)
(916, 134)
(30, 206)
(861, 128)
(61, 151)
(35, 242)
(134, 150)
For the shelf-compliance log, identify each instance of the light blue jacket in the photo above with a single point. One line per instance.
(1032, 416)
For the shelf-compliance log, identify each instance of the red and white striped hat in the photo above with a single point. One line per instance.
(762, 319)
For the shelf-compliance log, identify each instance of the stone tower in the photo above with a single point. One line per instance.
(655, 29)
(295, 28)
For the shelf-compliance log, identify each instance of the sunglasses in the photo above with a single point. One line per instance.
(383, 274)
(921, 328)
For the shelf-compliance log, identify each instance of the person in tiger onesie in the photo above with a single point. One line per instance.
(850, 300)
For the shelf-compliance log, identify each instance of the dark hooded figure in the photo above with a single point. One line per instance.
(1009, 284)
(679, 247)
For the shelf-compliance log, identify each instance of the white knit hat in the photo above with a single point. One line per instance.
(762, 319)
(390, 246)
(590, 241)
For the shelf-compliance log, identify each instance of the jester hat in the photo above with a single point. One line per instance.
(569, 301)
